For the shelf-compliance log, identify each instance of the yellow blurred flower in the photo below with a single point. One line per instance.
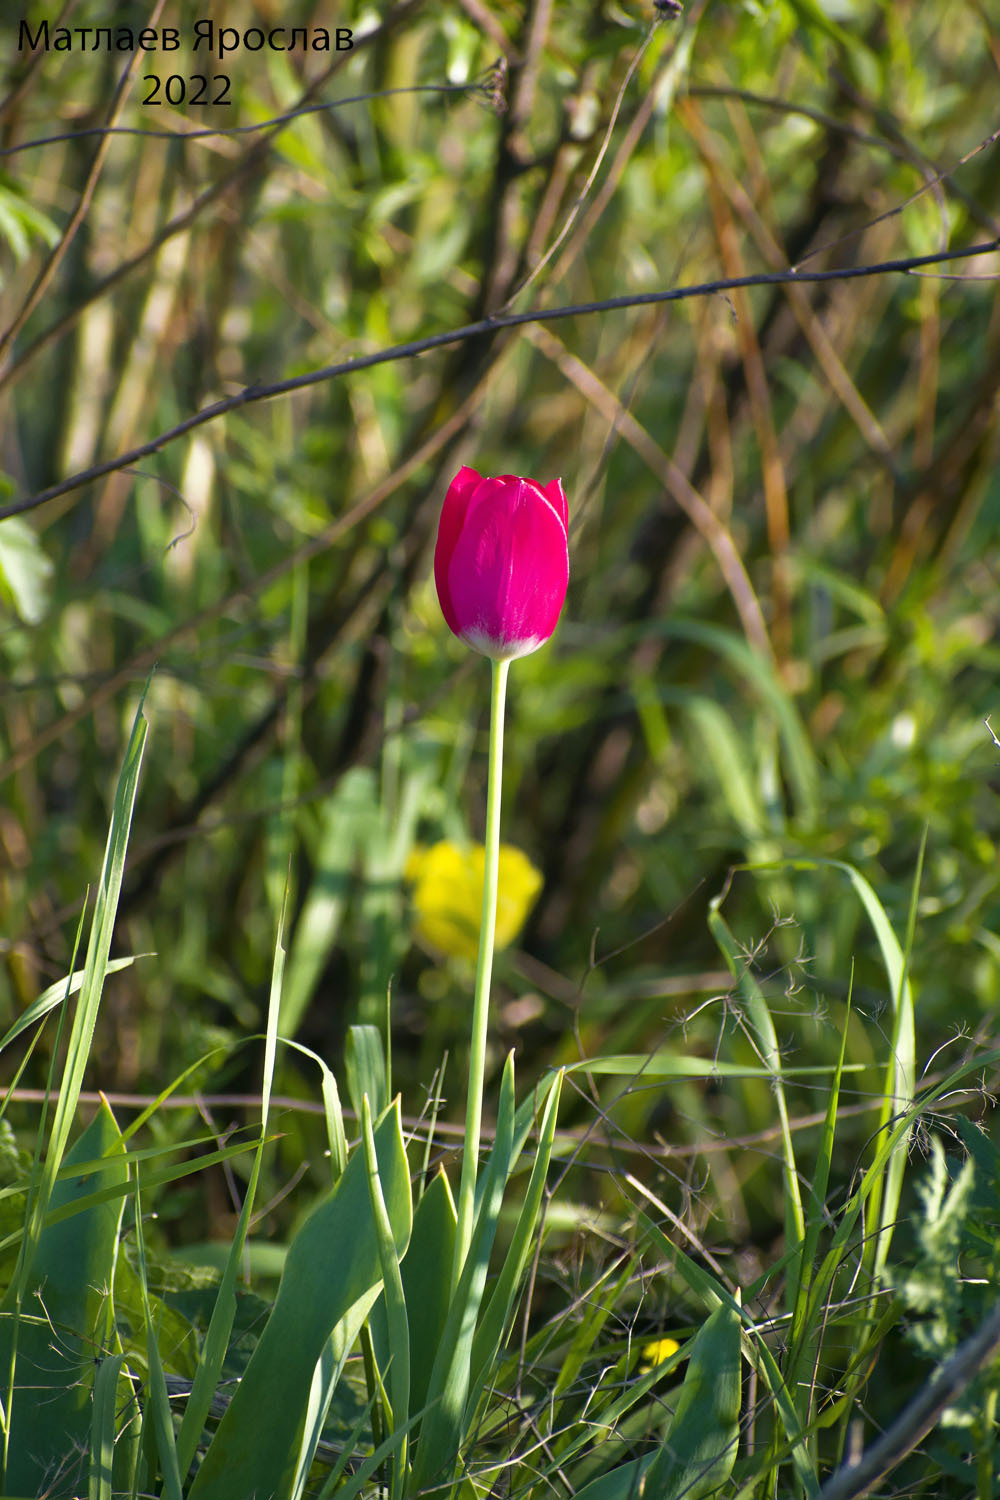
(448, 893)
(657, 1353)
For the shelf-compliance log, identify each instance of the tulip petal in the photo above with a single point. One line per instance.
(504, 566)
(456, 504)
(557, 496)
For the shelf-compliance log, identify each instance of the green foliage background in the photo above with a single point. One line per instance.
(780, 638)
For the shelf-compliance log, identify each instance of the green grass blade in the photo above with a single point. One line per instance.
(220, 1324)
(364, 1064)
(157, 1400)
(623, 1483)
(55, 994)
(374, 1461)
(759, 1018)
(596, 1312)
(723, 748)
(901, 1069)
(91, 989)
(712, 1294)
(800, 757)
(61, 1210)
(579, 1438)
(901, 1072)
(803, 1340)
(348, 819)
(334, 1115)
(667, 1064)
(103, 1427)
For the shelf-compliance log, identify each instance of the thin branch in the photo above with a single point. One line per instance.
(478, 86)
(55, 260)
(413, 347)
(902, 150)
(674, 480)
(139, 665)
(584, 192)
(916, 1420)
(251, 161)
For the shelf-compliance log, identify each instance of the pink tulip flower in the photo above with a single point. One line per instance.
(501, 563)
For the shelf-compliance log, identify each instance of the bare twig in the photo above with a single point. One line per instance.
(44, 278)
(250, 162)
(475, 87)
(413, 347)
(916, 1420)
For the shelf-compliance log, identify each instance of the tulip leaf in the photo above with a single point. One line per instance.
(498, 1314)
(699, 1450)
(330, 1279)
(443, 1426)
(623, 1483)
(394, 1302)
(427, 1283)
(427, 1288)
(55, 1335)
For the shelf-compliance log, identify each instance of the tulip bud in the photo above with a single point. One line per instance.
(501, 563)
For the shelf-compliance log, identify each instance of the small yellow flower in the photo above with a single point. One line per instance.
(448, 893)
(658, 1353)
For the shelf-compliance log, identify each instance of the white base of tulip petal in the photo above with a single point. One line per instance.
(501, 650)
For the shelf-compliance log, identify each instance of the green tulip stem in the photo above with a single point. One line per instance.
(484, 971)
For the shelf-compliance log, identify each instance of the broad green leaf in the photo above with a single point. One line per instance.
(443, 1428)
(427, 1283)
(499, 1311)
(395, 1308)
(699, 1450)
(332, 1267)
(623, 1483)
(56, 1335)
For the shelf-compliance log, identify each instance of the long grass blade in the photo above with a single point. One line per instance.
(158, 1399)
(220, 1324)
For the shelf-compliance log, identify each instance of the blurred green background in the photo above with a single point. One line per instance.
(780, 637)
